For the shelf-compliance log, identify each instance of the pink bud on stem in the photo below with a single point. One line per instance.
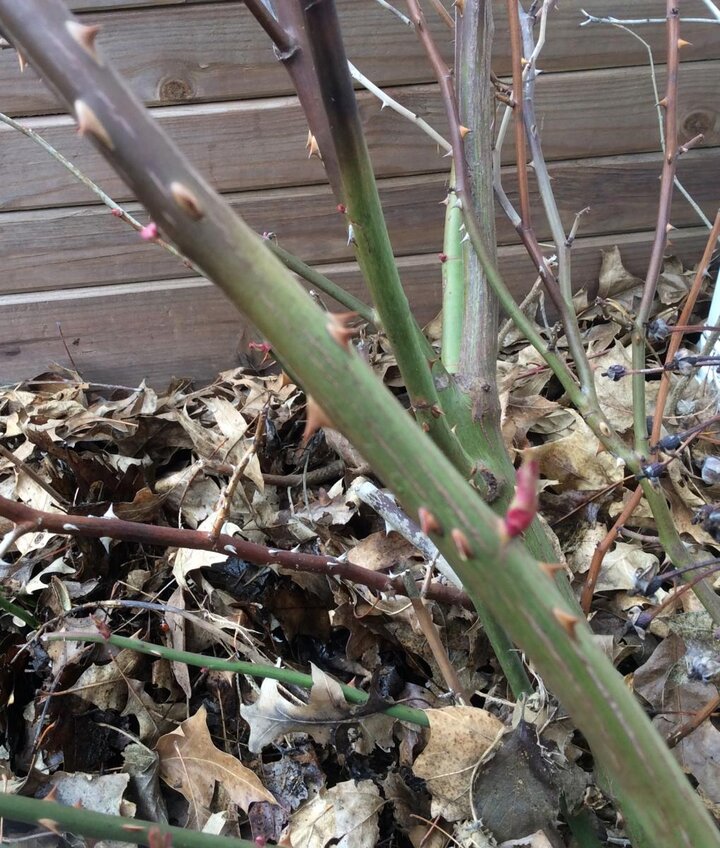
(149, 232)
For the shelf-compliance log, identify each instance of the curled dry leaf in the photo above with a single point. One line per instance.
(576, 460)
(191, 764)
(616, 396)
(621, 565)
(459, 738)
(277, 712)
(671, 681)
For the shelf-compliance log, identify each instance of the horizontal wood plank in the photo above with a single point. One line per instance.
(121, 334)
(215, 51)
(247, 145)
(71, 247)
(103, 5)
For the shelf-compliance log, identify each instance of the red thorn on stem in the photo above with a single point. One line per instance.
(551, 568)
(89, 123)
(461, 542)
(116, 213)
(428, 522)
(567, 622)
(316, 419)
(84, 36)
(338, 328)
(103, 628)
(186, 200)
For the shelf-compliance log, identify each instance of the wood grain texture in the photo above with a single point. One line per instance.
(215, 52)
(72, 247)
(102, 5)
(184, 327)
(260, 144)
(174, 52)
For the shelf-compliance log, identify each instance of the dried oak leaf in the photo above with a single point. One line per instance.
(277, 712)
(577, 460)
(459, 738)
(345, 816)
(191, 764)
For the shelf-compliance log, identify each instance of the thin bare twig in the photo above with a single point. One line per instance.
(523, 221)
(669, 103)
(562, 247)
(388, 101)
(700, 716)
(432, 635)
(661, 130)
(395, 11)
(608, 19)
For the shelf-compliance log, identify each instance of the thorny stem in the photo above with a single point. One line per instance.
(453, 279)
(663, 219)
(147, 534)
(432, 635)
(594, 417)
(606, 543)
(503, 576)
(607, 19)
(463, 192)
(603, 547)
(479, 339)
(99, 826)
(659, 110)
(368, 230)
(672, 544)
(324, 284)
(389, 102)
(251, 669)
(562, 243)
(523, 221)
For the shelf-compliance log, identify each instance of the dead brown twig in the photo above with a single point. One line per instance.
(109, 526)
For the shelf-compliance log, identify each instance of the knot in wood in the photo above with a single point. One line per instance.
(175, 90)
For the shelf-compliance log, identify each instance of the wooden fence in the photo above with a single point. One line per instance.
(76, 279)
